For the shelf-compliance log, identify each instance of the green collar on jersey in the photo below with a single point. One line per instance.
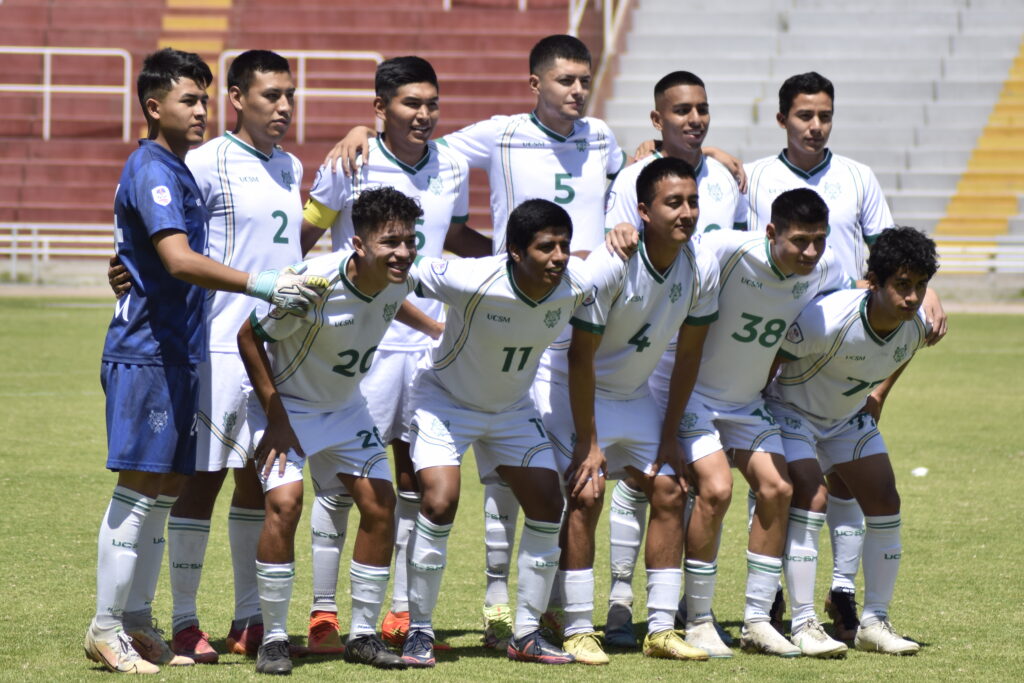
(771, 261)
(411, 170)
(550, 133)
(696, 169)
(807, 174)
(658, 277)
(349, 285)
(881, 341)
(520, 293)
(247, 147)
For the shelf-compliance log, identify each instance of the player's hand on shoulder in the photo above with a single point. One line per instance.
(118, 277)
(345, 154)
(623, 240)
(289, 289)
(732, 163)
(644, 150)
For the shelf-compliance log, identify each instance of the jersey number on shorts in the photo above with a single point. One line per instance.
(510, 354)
(371, 439)
(349, 360)
(773, 330)
(279, 237)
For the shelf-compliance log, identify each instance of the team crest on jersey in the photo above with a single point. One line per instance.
(435, 185)
(800, 288)
(229, 421)
(715, 190)
(161, 195)
(157, 420)
(792, 422)
(389, 311)
(582, 145)
(689, 421)
(552, 317)
(675, 292)
(439, 266)
(795, 335)
(900, 353)
(591, 296)
(831, 190)
(287, 178)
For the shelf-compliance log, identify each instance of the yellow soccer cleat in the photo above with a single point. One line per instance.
(669, 644)
(586, 648)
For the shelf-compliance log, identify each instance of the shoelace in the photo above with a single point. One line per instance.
(127, 651)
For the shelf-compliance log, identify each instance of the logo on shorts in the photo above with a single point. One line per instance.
(229, 421)
(439, 266)
(434, 185)
(157, 420)
(795, 335)
(689, 421)
(287, 178)
(675, 292)
(792, 422)
(552, 317)
(161, 195)
(900, 353)
(800, 288)
(389, 311)
(582, 145)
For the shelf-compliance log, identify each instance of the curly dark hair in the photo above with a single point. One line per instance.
(375, 208)
(900, 247)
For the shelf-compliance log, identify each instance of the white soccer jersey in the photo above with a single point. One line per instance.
(494, 334)
(756, 304)
(642, 316)
(717, 192)
(255, 219)
(525, 160)
(857, 209)
(838, 359)
(318, 360)
(439, 182)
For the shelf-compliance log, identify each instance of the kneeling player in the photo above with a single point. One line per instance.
(848, 349)
(306, 383)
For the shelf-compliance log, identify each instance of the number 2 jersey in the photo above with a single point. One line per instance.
(837, 358)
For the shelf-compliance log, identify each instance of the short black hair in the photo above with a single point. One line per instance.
(244, 67)
(810, 83)
(375, 208)
(802, 205)
(677, 78)
(161, 69)
(393, 73)
(561, 46)
(529, 218)
(900, 247)
(658, 170)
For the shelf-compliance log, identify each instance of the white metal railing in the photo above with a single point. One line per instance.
(964, 254)
(299, 70)
(522, 5)
(613, 14)
(47, 88)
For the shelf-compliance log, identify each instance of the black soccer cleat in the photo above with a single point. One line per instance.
(370, 649)
(777, 615)
(273, 658)
(841, 608)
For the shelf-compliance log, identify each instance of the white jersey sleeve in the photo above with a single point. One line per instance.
(606, 271)
(476, 142)
(875, 215)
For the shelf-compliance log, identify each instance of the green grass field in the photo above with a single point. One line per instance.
(958, 410)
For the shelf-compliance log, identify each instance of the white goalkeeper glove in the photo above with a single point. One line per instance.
(287, 289)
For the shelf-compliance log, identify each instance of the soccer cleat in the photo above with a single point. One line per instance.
(669, 644)
(245, 641)
(534, 648)
(274, 658)
(841, 608)
(553, 623)
(370, 649)
(394, 628)
(586, 648)
(497, 626)
(418, 650)
(618, 630)
(324, 634)
(704, 636)
(881, 637)
(777, 614)
(814, 642)
(116, 653)
(761, 637)
(681, 621)
(192, 643)
(149, 642)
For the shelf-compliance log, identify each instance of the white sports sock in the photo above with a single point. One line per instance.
(428, 550)
(537, 565)
(138, 610)
(328, 523)
(186, 550)
(368, 586)
(846, 529)
(882, 553)
(405, 519)
(662, 597)
(626, 523)
(501, 512)
(763, 574)
(801, 562)
(578, 590)
(700, 589)
(244, 527)
(117, 554)
(275, 588)
(751, 506)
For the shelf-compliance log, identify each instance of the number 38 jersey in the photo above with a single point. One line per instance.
(756, 304)
(318, 360)
(255, 217)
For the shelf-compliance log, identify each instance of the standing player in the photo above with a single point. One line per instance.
(847, 349)
(307, 387)
(403, 157)
(669, 289)
(156, 339)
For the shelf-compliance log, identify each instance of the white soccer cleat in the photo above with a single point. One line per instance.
(760, 637)
(882, 637)
(814, 642)
(115, 652)
(705, 637)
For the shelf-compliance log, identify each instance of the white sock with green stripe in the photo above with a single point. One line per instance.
(626, 524)
(537, 565)
(578, 596)
(117, 554)
(882, 552)
(428, 550)
(368, 586)
(501, 512)
(801, 562)
(662, 597)
(328, 524)
(138, 610)
(275, 589)
(186, 550)
(244, 527)
(700, 580)
(405, 520)
(763, 574)
(846, 529)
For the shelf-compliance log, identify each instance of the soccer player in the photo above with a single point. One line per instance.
(667, 290)
(846, 351)
(156, 339)
(403, 157)
(306, 400)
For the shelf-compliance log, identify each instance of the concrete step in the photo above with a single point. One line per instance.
(910, 21)
(882, 42)
(928, 180)
(937, 159)
(669, 21)
(907, 203)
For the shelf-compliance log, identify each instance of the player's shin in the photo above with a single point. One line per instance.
(117, 555)
(244, 527)
(662, 592)
(627, 520)
(578, 596)
(368, 586)
(501, 512)
(406, 510)
(186, 550)
(138, 608)
(846, 529)
(328, 524)
(882, 553)
(275, 583)
(537, 565)
(801, 562)
(428, 550)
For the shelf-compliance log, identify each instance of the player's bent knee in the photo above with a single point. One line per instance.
(667, 494)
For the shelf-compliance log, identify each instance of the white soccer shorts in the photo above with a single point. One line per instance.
(224, 438)
(833, 443)
(387, 388)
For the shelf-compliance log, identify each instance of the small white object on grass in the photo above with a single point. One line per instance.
(919, 471)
